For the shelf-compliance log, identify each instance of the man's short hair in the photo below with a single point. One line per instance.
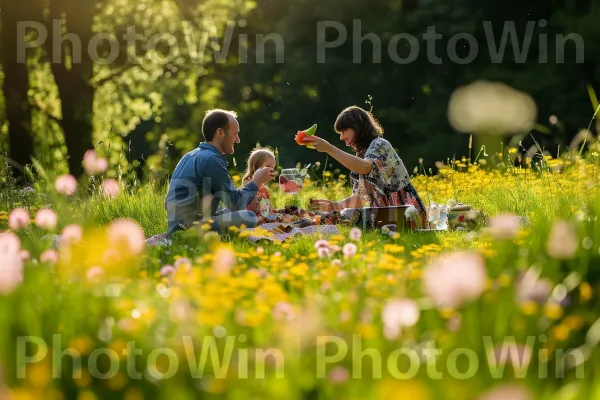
(215, 119)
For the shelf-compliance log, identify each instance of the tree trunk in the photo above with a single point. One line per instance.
(16, 87)
(73, 80)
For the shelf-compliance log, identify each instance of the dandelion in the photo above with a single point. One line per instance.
(563, 242)
(349, 250)
(355, 234)
(110, 188)
(126, 234)
(453, 278)
(411, 212)
(46, 219)
(18, 218)
(504, 226)
(66, 184)
(11, 263)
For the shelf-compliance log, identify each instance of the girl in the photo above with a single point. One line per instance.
(261, 205)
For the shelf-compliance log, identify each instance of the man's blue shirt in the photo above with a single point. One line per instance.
(199, 183)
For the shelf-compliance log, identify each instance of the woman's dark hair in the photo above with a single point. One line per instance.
(364, 124)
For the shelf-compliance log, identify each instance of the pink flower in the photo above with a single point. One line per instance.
(323, 252)
(224, 260)
(94, 273)
(338, 375)
(183, 263)
(507, 391)
(46, 219)
(126, 233)
(336, 263)
(562, 243)
(18, 218)
(321, 243)
(528, 287)
(397, 314)
(283, 311)
(110, 188)
(94, 165)
(71, 234)
(453, 278)
(349, 250)
(11, 263)
(66, 184)
(24, 254)
(49, 256)
(355, 234)
(167, 270)
(504, 226)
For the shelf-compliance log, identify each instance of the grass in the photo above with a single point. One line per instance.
(321, 319)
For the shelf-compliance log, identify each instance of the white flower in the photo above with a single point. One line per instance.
(411, 212)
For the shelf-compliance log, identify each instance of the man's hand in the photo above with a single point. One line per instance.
(263, 175)
(320, 145)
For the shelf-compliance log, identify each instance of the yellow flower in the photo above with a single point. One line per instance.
(553, 311)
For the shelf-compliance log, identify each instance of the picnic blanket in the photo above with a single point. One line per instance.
(279, 232)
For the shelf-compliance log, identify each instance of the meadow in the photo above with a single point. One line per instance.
(507, 311)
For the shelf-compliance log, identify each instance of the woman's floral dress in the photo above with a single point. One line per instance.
(388, 183)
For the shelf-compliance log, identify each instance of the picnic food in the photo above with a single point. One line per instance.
(307, 132)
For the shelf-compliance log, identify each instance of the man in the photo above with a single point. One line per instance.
(201, 180)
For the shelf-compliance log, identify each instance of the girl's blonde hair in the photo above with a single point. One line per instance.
(257, 158)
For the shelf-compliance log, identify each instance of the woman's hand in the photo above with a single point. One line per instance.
(320, 145)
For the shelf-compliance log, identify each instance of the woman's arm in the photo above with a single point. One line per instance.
(353, 201)
(349, 161)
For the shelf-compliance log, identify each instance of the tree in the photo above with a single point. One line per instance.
(16, 81)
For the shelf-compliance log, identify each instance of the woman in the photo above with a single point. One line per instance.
(378, 175)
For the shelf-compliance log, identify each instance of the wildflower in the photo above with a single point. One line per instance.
(46, 219)
(529, 288)
(562, 242)
(18, 218)
(397, 314)
(283, 311)
(349, 250)
(49, 256)
(224, 260)
(323, 252)
(338, 375)
(507, 391)
(167, 270)
(411, 212)
(71, 234)
(453, 278)
(11, 264)
(110, 188)
(336, 263)
(321, 243)
(127, 234)
(355, 234)
(66, 184)
(504, 226)
(93, 165)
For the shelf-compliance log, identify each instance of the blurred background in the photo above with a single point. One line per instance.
(142, 105)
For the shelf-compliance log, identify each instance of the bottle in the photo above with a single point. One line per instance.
(443, 218)
(432, 215)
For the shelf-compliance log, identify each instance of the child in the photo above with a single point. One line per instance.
(261, 204)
